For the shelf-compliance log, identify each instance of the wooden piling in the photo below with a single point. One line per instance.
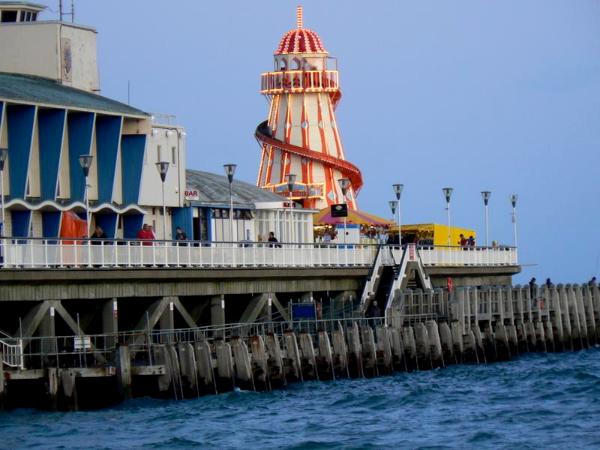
(540, 337)
(205, 368)
(260, 363)
(123, 359)
(410, 348)
(355, 360)
(447, 345)
(469, 345)
(340, 353)
(398, 359)
(478, 338)
(435, 344)
(384, 350)
(513, 341)
(68, 379)
(308, 360)
(275, 361)
(243, 366)
(457, 341)
(502, 345)
(225, 372)
(369, 352)
(324, 359)
(293, 366)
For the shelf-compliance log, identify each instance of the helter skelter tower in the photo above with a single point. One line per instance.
(301, 135)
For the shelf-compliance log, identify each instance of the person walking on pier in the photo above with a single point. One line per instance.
(549, 283)
(592, 282)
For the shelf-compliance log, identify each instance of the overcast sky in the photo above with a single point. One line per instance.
(475, 95)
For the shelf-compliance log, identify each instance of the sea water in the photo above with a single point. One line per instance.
(536, 401)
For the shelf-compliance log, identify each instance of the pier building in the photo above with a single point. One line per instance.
(301, 135)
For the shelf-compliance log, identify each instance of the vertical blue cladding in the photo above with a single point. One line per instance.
(51, 223)
(81, 128)
(209, 222)
(132, 161)
(20, 223)
(51, 124)
(132, 223)
(108, 223)
(20, 132)
(182, 217)
(108, 133)
(1, 109)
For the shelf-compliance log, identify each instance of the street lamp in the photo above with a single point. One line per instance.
(513, 202)
(344, 186)
(163, 168)
(448, 195)
(291, 181)
(3, 156)
(486, 199)
(398, 188)
(85, 161)
(230, 171)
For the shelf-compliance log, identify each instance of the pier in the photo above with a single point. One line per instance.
(421, 330)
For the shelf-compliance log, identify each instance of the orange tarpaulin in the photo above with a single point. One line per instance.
(72, 226)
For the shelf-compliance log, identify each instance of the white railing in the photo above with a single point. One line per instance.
(81, 253)
(468, 256)
(12, 354)
(53, 253)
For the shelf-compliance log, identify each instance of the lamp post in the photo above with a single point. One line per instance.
(291, 181)
(163, 168)
(486, 199)
(513, 202)
(230, 171)
(448, 195)
(394, 207)
(85, 161)
(3, 156)
(344, 186)
(398, 188)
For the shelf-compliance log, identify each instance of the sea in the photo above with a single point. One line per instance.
(537, 401)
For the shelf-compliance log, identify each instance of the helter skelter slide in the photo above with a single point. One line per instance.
(301, 136)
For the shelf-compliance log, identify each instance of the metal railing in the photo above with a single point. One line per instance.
(299, 81)
(12, 353)
(468, 256)
(81, 253)
(47, 253)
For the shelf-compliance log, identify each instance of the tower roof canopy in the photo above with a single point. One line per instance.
(300, 39)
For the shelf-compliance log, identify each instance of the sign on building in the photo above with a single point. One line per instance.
(192, 194)
(339, 210)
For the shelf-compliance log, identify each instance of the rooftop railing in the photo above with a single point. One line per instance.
(37, 253)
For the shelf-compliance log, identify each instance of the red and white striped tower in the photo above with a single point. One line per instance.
(301, 135)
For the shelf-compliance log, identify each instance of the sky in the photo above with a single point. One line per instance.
(500, 96)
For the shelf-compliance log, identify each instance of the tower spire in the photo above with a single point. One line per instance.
(299, 16)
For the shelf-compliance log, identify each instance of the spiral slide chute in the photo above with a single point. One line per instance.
(264, 136)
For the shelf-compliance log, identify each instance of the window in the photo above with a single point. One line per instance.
(158, 152)
(9, 16)
(174, 155)
(33, 16)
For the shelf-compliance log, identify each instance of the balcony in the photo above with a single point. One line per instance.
(295, 81)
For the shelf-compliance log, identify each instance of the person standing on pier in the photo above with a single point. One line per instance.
(532, 288)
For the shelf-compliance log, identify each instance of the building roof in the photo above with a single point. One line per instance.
(214, 190)
(20, 4)
(38, 90)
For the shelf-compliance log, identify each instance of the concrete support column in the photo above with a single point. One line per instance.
(110, 321)
(217, 312)
(167, 319)
(48, 334)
